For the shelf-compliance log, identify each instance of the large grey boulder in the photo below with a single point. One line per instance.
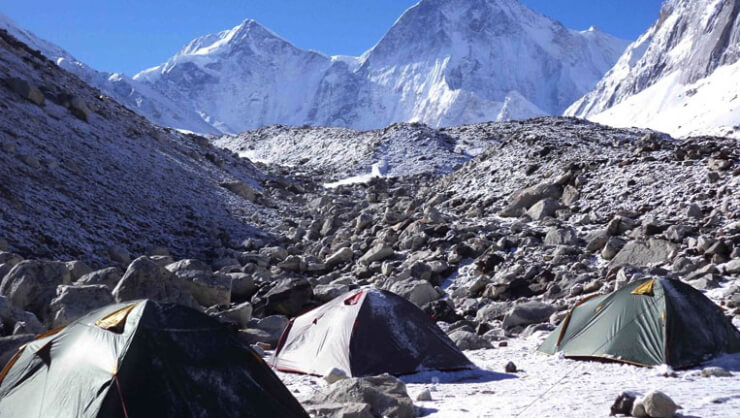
(644, 253)
(287, 297)
(543, 209)
(13, 319)
(342, 255)
(107, 277)
(523, 199)
(655, 404)
(385, 394)
(419, 292)
(26, 90)
(72, 302)
(377, 253)
(466, 340)
(145, 279)
(207, 288)
(241, 189)
(523, 314)
(32, 284)
(561, 236)
(77, 269)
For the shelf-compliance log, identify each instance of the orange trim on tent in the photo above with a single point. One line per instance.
(114, 321)
(566, 321)
(645, 289)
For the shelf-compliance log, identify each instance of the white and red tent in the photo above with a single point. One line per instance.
(366, 332)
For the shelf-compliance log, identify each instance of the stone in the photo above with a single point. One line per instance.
(570, 195)
(30, 285)
(715, 372)
(108, 277)
(79, 108)
(26, 90)
(543, 209)
(731, 267)
(659, 405)
(385, 394)
(275, 254)
(510, 367)
(207, 288)
(327, 292)
(694, 211)
(119, 255)
(287, 297)
(493, 311)
(644, 253)
(488, 262)
(378, 252)
(466, 340)
(342, 255)
(344, 410)
(77, 269)
(526, 313)
(335, 375)
(523, 199)
(241, 189)
(424, 396)
(293, 263)
(73, 302)
(144, 279)
(240, 314)
(623, 404)
(611, 248)
(419, 292)
(243, 286)
(441, 310)
(561, 236)
(11, 316)
(596, 240)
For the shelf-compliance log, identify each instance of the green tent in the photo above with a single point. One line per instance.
(646, 323)
(142, 359)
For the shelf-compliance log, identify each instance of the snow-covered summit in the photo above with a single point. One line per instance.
(680, 76)
(443, 62)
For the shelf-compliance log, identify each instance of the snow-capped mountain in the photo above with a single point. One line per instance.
(680, 77)
(136, 96)
(444, 62)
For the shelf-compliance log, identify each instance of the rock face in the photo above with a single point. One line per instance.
(679, 59)
(385, 395)
(144, 279)
(31, 285)
(644, 253)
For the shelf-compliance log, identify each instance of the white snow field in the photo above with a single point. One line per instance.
(552, 386)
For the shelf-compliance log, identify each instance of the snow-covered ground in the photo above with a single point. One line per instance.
(552, 386)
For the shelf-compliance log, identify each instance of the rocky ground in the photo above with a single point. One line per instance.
(495, 230)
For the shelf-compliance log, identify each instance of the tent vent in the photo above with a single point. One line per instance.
(645, 288)
(115, 320)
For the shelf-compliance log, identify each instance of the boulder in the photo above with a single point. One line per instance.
(561, 236)
(659, 405)
(287, 297)
(77, 269)
(243, 286)
(31, 285)
(240, 314)
(342, 255)
(385, 394)
(26, 90)
(623, 404)
(611, 248)
(207, 288)
(241, 189)
(11, 317)
(327, 292)
(441, 310)
(419, 292)
(466, 340)
(377, 253)
(79, 108)
(72, 302)
(145, 279)
(523, 314)
(543, 209)
(335, 375)
(523, 199)
(345, 410)
(596, 240)
(108, 277)
(644, 253)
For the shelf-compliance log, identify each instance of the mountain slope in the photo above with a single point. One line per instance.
(79, 172)
(485, 60)
(679, 77)
(134, 95)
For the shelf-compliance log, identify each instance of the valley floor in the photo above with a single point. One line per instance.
(549, 386)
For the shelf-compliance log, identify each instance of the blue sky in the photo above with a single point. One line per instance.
(130, 35)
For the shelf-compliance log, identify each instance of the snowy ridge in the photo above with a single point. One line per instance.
(679, 77)
(249, 77)
(136, 96)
